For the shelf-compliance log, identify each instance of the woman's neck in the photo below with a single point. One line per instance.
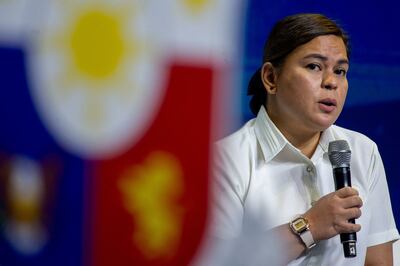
(306, 143)
(301, 137)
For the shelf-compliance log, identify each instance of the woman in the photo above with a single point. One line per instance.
(275, 170)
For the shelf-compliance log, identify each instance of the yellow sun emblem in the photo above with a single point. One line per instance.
(97, 44)
(96, 74)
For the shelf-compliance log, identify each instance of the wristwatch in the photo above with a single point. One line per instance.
(301, 227)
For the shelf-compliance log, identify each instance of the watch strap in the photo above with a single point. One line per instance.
(307, 239)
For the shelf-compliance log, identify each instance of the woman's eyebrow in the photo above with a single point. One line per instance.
(324, 58)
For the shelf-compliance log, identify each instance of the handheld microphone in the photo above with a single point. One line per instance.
(339, 156)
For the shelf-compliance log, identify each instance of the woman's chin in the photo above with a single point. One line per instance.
(323, 123)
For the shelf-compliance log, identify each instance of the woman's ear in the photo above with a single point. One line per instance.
(268, 77)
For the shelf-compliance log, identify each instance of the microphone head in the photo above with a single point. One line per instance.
(339, 153)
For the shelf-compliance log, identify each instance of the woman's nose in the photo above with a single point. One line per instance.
(329, 81)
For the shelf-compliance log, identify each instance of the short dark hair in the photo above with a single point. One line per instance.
(287, 35)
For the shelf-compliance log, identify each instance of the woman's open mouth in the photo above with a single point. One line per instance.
(327, 105)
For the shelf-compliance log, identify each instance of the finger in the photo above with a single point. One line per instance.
(346, 227)
(352, 213)
(352, 201)
(346, 192)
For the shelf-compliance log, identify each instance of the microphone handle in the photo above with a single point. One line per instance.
(343, 179)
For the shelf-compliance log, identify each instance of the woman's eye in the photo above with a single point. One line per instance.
(341, 72)
(313, 66)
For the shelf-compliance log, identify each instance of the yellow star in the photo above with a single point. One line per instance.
(196, 6)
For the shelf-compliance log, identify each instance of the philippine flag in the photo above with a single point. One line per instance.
(134, 88)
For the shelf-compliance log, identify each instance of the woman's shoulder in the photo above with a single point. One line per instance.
(239, 140)
(357, 141)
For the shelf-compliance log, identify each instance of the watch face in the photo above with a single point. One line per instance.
(299, 225)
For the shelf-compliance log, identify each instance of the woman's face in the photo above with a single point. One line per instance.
(311, 86)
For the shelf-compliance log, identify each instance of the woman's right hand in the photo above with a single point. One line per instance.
(330, 214)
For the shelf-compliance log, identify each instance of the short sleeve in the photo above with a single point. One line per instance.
(226, 203)
(382, 224)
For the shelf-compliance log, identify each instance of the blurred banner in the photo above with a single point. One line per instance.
(108, 110)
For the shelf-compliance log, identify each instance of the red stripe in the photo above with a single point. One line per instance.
(181, 128)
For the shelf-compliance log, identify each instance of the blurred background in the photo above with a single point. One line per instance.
(108, 109)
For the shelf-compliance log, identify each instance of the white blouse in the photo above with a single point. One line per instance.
(261, 179)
